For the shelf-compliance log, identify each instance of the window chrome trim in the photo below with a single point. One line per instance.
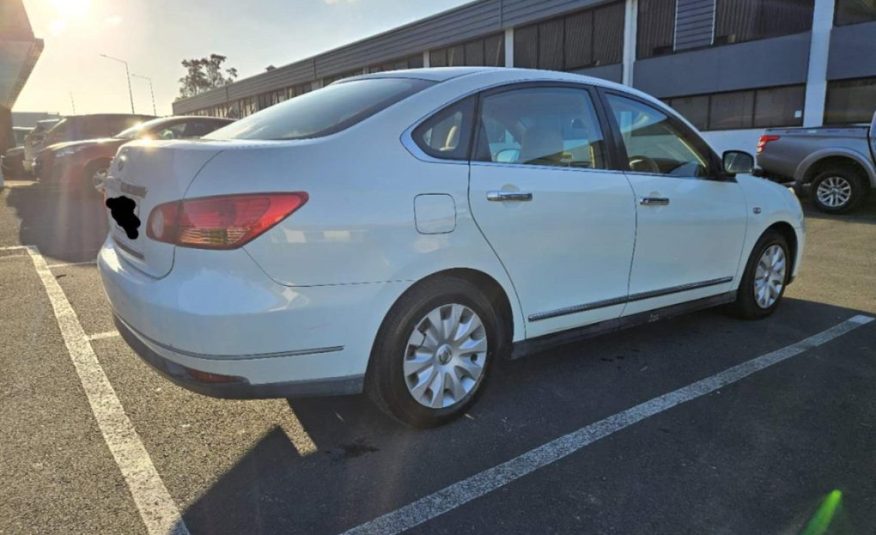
(628, 299)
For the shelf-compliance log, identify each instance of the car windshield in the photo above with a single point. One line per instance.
(322, 112)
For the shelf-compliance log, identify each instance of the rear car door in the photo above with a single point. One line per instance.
(691, 223)
(540, 190)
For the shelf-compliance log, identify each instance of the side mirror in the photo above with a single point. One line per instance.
(738, 162)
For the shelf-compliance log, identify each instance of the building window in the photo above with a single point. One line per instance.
(486, 52)
(854, 11)
(850, 101)
(737, 21)
(298, 90)
(753, 108)
(656, 28)
(694, 109)
(584, 39)
(410, 62)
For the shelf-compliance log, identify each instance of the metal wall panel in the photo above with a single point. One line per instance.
(516, 12)
(612, 73)
(764, 63)
(466, 22)
(694, 23)
(852, 51)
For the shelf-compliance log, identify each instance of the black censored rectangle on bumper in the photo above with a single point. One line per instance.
(231, 387)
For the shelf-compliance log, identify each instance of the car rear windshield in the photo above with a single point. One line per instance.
(322, 112)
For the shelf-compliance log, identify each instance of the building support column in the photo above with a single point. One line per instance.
(631, 14)
(426, 61)
(819, 51)
(509, 47)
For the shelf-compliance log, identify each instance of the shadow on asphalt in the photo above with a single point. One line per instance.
(367, 464)
(866, 213)
(65, 227)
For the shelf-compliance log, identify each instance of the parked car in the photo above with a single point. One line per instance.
(33, 142)
(83, 164)
(398, 233)
(78, 128)
(836, 164)
(13, 160)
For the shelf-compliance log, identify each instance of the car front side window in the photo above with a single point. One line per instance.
(653, 143)
(554, 126)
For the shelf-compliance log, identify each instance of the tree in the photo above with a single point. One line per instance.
(204, 74)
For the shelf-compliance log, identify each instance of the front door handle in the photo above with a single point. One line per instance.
(654, 201)
(501, 196)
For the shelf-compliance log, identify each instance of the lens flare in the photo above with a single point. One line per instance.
(822, 518)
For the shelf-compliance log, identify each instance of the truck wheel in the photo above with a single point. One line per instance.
(838, 190)
(434, 351)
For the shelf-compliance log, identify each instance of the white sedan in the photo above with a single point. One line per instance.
(399, 233)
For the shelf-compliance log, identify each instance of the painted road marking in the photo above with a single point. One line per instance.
(478, 485)
(156, 507)
(70, 264)
(101, 336)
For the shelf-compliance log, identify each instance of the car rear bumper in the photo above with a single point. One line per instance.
(217, 313)
(232, 387)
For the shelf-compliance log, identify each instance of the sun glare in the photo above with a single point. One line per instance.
(67, 9)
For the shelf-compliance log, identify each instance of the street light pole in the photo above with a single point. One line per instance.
(128, 75)
(151, 91)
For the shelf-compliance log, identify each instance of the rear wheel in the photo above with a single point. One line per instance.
(434, 351)
(765, 278)
(838, 190)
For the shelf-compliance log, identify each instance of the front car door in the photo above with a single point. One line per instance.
(560, 222)
(691, 221)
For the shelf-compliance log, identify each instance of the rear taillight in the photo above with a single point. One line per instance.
(764, 140)
(222, 222)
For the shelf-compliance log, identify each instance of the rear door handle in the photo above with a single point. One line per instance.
(654, 201)
(502, 196)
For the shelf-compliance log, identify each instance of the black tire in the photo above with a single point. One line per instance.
(386, 382)
(745, 306)
(850, 175)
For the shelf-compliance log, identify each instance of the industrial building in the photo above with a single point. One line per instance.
(733, 67)
(19, 51)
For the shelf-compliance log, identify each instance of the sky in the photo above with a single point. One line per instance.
(153, 36)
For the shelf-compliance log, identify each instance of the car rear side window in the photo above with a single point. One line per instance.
(447, 134)
(322, 112)
(555, 126)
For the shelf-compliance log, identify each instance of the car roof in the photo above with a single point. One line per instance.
(502, 74)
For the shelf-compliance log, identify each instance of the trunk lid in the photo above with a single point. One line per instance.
(142, 176)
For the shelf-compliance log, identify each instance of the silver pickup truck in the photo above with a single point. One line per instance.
(837, 165)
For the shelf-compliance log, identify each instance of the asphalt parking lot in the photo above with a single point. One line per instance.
(590, 442)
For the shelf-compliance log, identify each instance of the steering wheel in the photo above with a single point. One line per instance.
(644, 164)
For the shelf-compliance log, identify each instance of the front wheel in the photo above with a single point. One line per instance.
(766, 276)
(434, 351)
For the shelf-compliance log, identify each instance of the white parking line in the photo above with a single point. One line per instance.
(464, 491)
(156, 507)
(101, 336)
(69, 264)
